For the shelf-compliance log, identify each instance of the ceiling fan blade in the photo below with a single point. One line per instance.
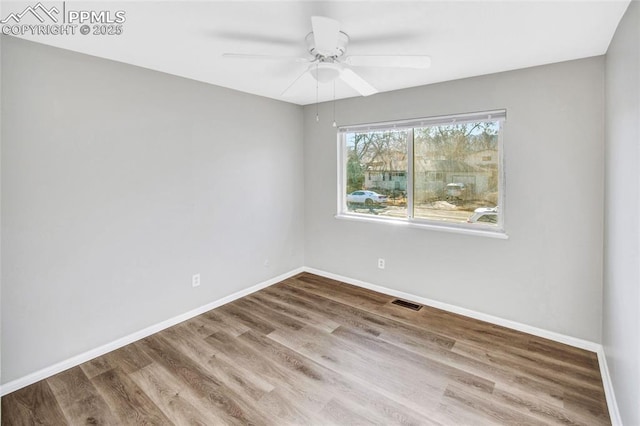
(390, 61)
(265, 57)
(356, 82)
(262, 37)
(284, 92)
(382, 37)
(325, 34)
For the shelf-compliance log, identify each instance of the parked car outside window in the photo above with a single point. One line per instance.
(455, 191)
(368, 198)
(484, 215)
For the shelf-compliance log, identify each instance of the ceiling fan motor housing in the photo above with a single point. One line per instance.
(327, 56)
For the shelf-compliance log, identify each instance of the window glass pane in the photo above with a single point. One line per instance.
(456, 172)
(376, 172)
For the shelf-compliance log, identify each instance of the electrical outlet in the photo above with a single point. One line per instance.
(381, 263)
(266, 263)
(195, 280)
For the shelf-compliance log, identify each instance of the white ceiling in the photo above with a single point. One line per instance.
(464, 39)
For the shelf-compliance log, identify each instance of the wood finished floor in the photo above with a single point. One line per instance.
(310, 350)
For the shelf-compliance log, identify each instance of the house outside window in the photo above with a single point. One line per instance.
(438, 171)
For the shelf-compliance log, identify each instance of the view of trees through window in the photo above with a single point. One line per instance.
(440, 172)
(377, 162)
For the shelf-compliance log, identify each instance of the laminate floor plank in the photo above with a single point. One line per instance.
(409, 337)
(307, 316)
(236, 313)
(278, 404)
(471, 330)
(478, 338)
(224, 323)
(486, 408)
(419, 387)
(575, 403)
(291, 379)
(538, 409)
(126, 399)
(566, 353)
(79, 400)
(559, 364)
(342, 292)
(511, 404)
(129, 358)
(454, 413)
(355, 395)
(523, 385)
(285, 368)
(175, 400)
(227, 371)
(335, 412)
(369, 323)
(32, 405)
(223, 402)
(295, 399)
(379, 349)
(96, 366)
(585, 385)
(274, 318)
(343, 314)
(201, 326)
(189, 343)
(315, 351)
(414, 339)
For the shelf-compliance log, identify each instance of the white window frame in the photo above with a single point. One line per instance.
(494, 231)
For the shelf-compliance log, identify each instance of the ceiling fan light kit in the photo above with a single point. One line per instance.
(325, 72)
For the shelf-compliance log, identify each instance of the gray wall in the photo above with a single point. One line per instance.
(621, 316)
(118, 184)
(548, 273)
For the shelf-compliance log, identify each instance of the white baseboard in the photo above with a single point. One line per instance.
(93, 353)
(612, 404)
(551, 335)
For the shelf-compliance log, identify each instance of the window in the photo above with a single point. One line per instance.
(440, 171)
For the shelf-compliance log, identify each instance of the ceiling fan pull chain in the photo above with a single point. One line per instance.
(334, 104)
(317, 107)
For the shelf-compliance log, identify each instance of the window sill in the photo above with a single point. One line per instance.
(498, 234)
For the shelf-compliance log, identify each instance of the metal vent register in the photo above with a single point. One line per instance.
(408, 305)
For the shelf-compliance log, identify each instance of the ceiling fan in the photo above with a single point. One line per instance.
(326, 46)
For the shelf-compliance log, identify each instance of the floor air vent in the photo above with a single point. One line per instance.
(405, 304)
